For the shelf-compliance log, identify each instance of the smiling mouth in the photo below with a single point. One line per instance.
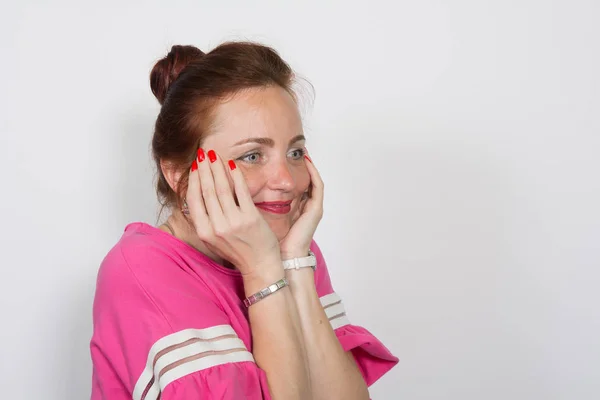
(274, 203)
(276, 207)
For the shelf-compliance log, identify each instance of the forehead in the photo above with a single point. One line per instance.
(258, 112)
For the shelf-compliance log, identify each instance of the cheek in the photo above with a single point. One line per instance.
(254, 181)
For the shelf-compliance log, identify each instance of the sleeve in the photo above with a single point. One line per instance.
(372, 357)
(161, 340)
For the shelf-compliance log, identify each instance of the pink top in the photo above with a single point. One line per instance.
(169, 323)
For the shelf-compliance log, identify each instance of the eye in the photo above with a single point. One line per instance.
(251, 158)
(254, 157)
(299, 153)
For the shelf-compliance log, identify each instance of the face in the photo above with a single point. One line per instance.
(262, 131)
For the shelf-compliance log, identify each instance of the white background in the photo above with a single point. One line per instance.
(459, 143)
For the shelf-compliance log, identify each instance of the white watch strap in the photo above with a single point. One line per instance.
(301, 262)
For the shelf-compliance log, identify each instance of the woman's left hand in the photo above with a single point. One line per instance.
(297, 242)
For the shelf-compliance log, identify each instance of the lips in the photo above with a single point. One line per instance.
(275, 207)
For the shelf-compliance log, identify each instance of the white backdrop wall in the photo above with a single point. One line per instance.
(460, 147)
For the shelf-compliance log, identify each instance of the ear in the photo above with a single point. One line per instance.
(171, 174)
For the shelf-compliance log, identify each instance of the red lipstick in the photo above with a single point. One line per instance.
(275, 207)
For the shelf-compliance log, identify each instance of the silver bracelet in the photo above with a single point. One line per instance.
(269, 290)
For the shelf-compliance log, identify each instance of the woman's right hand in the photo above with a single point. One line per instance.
(238, 234)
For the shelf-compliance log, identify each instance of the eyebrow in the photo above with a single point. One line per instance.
(268, 141)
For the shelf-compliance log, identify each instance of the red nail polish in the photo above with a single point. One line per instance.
(308, 158)
(231, 165)
(194, 166)
(212, 156)
(200, 155)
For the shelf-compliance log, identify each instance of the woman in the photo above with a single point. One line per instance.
(202, 306)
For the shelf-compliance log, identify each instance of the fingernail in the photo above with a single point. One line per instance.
(200, 155)
(212, 156)
(231, 165)
(308, 158)
(194, 166)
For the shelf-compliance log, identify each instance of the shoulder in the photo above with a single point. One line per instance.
(118, 289)
(150, 257)
(133, 250)
(146, 270)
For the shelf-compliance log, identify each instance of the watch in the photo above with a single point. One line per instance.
(301, 262)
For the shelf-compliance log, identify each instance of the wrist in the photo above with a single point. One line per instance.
(262, 276)
(288, 254)
(301, 281)
(301, 275)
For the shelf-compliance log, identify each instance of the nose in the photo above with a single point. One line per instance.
(280, 176)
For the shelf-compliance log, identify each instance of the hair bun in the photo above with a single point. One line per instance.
(166, 70)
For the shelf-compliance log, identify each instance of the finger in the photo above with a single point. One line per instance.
(303, 206)
(195, 202)
(207, 188)
(241, 188)
(317, 187)
(222, 188)
(300, 207)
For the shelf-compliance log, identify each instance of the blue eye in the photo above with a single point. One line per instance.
(246, 158)
(254, 157)
(300, 153)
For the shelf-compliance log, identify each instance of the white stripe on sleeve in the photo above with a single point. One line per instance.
(335, 311)
(185, 352)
